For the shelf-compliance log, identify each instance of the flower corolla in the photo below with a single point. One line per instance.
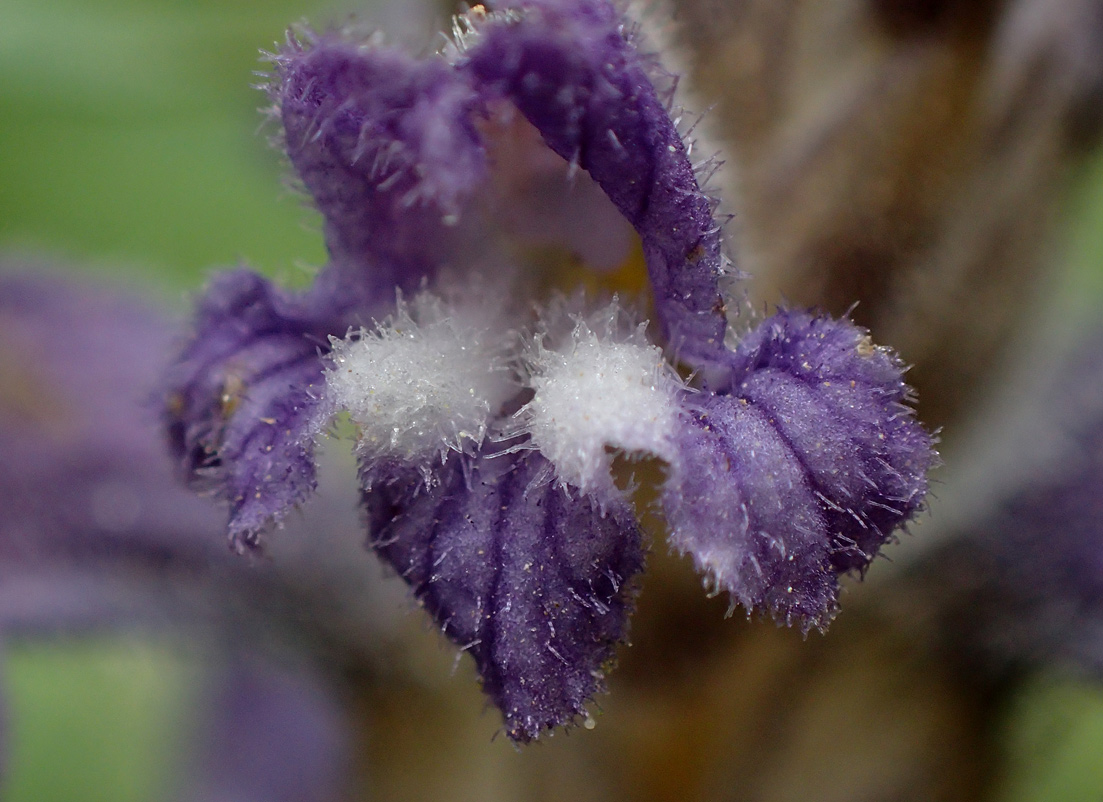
(487, 429)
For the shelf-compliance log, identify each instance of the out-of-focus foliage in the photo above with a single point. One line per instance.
(1052, 741)
(1084, 229)
(95, 720)
(131, 143)
(130, 137)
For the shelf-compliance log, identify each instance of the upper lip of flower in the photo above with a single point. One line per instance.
(794, 462)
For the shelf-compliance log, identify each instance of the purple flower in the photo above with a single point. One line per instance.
(1020, 583)
(486, 426)
(95, 533)
(270, 736)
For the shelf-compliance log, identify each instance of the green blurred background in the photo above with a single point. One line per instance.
(130, 137)
(130, 143)
(130, 146)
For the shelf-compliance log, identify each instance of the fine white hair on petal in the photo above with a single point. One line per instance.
(424, 381)
(601, 385)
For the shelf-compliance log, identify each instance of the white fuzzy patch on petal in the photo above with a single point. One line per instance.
(603, 386)
(424, 382)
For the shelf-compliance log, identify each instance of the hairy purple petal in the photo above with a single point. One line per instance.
(534, 583)
(387, 147)
(243, 400)
(803, 472)
(270, 736)
(740, 503)
(841, 403)
(569, 68)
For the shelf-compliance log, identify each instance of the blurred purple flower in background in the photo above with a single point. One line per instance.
(95, 533)
(1017, 581)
